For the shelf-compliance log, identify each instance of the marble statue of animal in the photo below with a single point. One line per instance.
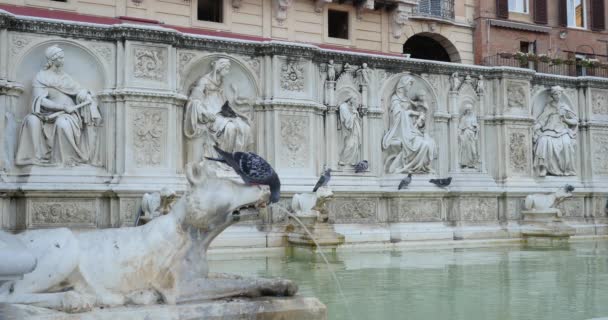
(312, 204)
(548, 202)
(163, 261)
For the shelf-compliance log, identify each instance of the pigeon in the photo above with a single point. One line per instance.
(569, 188)
(405, 181)
(227, 111)
(361, 166)
(253, 169)
(442, 183)
(323, 180)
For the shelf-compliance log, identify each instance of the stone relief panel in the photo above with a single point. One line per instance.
(183, 59)
(61, 212)
(573, 207)
(517, 97)
(20, 42)
(419, 210)
(105, 51)
(294, 141)
(514, 206)
(64, 125)
(407, 144)
(128, 211)
(554, 134)
(478, 209)
(519, 151)
(149, 131)
(255, 64)
(599, 103)
(357, 210)
(600, 207)
(600, 153)
(292, 76)
(150, 63)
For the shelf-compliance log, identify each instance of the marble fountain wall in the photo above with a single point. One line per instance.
(308, 108)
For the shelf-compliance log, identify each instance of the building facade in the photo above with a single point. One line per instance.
(564, 30)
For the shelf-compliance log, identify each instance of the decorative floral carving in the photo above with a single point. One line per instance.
(128, 211)
(61, 212)
(478, 209)
(184, 59)
(148, 131)
(419, 210)
(599, 103)
(149, 63)
(516, 96)
(434, 80)
(518, 152)
(292, 76)
(354, 210)
(294, 141)
(600, 153)
(573, 207)
(20, 42)
(103, 51)
(600, 207)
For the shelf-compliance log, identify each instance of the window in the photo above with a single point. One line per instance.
(527, 47)
(576, 13)
(209, 10)
(520, 6)
(337, 24)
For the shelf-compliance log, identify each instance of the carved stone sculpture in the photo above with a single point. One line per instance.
(468, 136)
(311, 210)
(350, 124)
(408, 147)
(398, 19)
(454, 82)
(555, 137)
(206, 118)
(113, 267)
(539, 202)
(363, 74)
(331, 71)
(62, 126)
(481, 86)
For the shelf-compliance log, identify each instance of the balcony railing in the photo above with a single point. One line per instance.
(558, 66)
(441, 9)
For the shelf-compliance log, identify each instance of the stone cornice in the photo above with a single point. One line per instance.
(142, 95)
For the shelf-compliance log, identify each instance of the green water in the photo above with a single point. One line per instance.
(516, 282)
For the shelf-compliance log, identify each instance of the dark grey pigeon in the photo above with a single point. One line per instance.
(361, 166)
(323, 180)
(441, 183)
(405, 181)
(253, 169)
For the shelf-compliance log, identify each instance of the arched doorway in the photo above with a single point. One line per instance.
(431, 46)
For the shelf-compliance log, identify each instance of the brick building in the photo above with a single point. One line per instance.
(564, 29)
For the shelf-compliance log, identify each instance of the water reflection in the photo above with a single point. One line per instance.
(566, 282)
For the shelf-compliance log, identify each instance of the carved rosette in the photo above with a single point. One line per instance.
(149, 128)
(516, 96)
(104, 51)
(149, 63)
(419, 210)
(600, 153)
(294, 141)
(254, 64)
(183, 59)
(518, 152)
(362, 210)
(19, 43)
(292, 76)
(478, 209)
(61, 212)
(599, 103)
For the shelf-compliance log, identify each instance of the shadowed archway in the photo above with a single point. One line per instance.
(431, 46)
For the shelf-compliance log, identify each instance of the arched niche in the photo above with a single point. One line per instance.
(83, 65)
(240, 75)
(431, 46)
(421, 85)
(542, 97)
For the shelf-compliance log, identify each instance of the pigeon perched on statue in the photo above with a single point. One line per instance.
(442, 183)
(569, 188)
(253, 169)
(405, 181)
(362, 166)
(227, 111)
(323, 180)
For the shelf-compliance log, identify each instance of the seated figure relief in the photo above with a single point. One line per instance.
(210, 116)
(61, 128)
(408, 147)
(555, 137)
